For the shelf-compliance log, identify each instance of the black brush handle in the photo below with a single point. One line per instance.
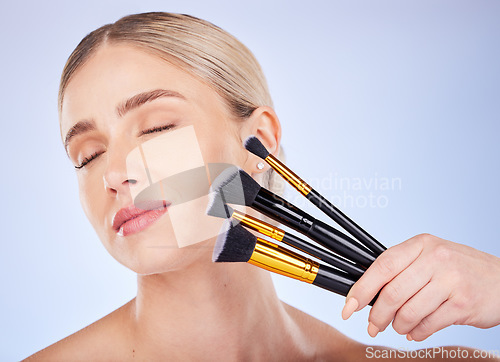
(334, 281)
(352, 269)
(343, 220)
(340, 243)
(288, 214)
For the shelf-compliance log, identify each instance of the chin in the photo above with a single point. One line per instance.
(155, 259)
(165, 246)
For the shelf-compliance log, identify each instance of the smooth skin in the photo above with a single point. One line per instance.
(187, 307)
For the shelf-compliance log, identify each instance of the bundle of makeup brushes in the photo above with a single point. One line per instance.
(342, 260)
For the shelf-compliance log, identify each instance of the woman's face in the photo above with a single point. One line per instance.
(109, 128)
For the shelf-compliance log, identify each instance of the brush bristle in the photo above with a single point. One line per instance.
(217, 208)
(253, 144)
(233, 186)
(234, 244)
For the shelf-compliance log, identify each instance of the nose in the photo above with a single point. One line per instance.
(122, 173)
(117, 181)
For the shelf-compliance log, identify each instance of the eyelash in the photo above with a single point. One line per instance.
(158, 129)
(86, 160)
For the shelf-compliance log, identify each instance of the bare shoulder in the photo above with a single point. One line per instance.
(104, 339)
(330, 344)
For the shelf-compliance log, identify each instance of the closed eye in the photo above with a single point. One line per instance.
(158, 129)
(89, 159)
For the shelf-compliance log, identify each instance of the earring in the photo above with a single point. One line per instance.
(260, 165)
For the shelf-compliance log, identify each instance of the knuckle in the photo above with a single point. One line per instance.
(459, 303)
(442, 253)
(386, 266)
(424, 237)
(425, 327)
(408, 314)
(391, 293)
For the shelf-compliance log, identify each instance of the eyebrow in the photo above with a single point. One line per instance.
(145, 97)
(122, 108)
(78, 128)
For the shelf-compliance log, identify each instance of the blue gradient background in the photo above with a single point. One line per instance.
(369, 89)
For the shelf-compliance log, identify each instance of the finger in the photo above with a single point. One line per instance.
(389, 264)
(422, 304)
(442, 317)
(398, 291)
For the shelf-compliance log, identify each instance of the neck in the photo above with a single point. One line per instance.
(212, 310)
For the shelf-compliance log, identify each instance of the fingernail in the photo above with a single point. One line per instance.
(372, 329)
(408, 337)
(350, 306)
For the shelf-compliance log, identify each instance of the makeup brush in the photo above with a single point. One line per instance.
(235, 244)
(253, 145)
(280, 235)
(235, 186)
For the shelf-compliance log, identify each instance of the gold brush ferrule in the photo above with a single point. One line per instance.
(259, 226)
(288, 174)
(276, 259)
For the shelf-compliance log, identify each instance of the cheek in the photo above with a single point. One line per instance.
(221, 144)
(91, 190)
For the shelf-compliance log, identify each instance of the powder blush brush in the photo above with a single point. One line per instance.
(253, 145)
(235, 186)
(280, 235)
(235, 244)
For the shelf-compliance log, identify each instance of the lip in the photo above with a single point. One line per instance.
(132, 219)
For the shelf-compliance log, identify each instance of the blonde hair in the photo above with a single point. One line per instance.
(205, 50)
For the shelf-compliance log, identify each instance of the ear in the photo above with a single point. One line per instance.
(265, 125)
